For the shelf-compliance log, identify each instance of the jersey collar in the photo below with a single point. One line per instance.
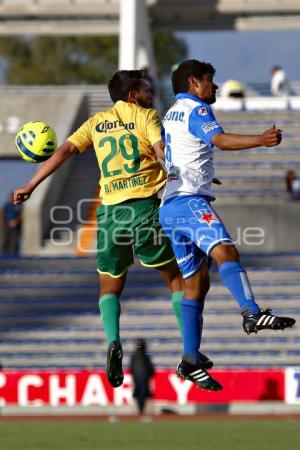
(191, 96)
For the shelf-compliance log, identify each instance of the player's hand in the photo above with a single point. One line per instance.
(271, 137)
(21, 195)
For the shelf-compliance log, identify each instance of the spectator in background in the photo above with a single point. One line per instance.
(233, 89)
(292, 185)
(142, 371)
(279, 82)
(11, 218)
(289, 177)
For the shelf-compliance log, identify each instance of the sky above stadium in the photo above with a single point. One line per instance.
(247, 56)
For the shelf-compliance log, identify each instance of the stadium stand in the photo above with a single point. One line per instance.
(50, 319)
(101, 16)
(20, 170)
(258, 172)
(263, 89)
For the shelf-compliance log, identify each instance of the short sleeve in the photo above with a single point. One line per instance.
(82, 137)
(153, 126)
(203, 124)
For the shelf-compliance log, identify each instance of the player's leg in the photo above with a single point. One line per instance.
(173, 278)
(110, 310)
(109, 305)
(195, 269)
(193, 364)
(192, 306)
(171, 275)
(234, 276)
(153, 249)
(113, 260)
(235, 279)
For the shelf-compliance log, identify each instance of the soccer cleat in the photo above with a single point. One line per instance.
(114, 371)
(265, 320)
(197, 375)
(206, 362)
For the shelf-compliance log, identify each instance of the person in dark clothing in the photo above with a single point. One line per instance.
(292, 185)
(11, 218)
(289, 178)
(142, 371)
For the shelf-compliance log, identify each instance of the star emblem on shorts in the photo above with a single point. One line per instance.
(208, 218)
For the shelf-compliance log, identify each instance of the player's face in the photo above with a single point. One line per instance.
(144, 95)
(206, 88)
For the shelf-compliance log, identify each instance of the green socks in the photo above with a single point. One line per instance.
(176, 304)
(110, 311)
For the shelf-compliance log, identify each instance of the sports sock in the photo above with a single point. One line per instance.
(235, 279)
(192, 321)
(176, 305)
(110, 311)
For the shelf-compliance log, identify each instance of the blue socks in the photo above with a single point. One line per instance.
(192, 322)
(235, 279)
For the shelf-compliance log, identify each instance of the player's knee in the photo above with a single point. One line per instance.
(224, 252)
(109, 291)
(231, 253)
(197, 293)
(172, 276)
(170, 269)
(109, 285)
(114, 289)
(203, 290)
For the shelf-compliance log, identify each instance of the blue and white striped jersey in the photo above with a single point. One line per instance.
(188, 127)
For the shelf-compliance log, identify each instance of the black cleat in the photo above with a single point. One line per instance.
(197, 375)
(265, 320)
(114, 371)
(206, 362)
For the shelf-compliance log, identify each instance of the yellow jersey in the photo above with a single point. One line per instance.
(122, 137)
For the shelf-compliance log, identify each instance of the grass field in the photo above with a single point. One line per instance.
(160, 434)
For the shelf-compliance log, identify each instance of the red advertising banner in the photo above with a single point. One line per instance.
(86, 388)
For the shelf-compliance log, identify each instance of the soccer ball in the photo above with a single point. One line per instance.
(36, 141)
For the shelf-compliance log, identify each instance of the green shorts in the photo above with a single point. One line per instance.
(129, 228)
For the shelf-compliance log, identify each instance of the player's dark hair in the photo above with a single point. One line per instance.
(123, 82)
(189, 67)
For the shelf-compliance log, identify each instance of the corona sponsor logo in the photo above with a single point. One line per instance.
(103, 127)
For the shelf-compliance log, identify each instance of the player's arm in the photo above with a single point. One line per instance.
(153, 130)
(64, 152)
(159, 147)
(228, 141)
